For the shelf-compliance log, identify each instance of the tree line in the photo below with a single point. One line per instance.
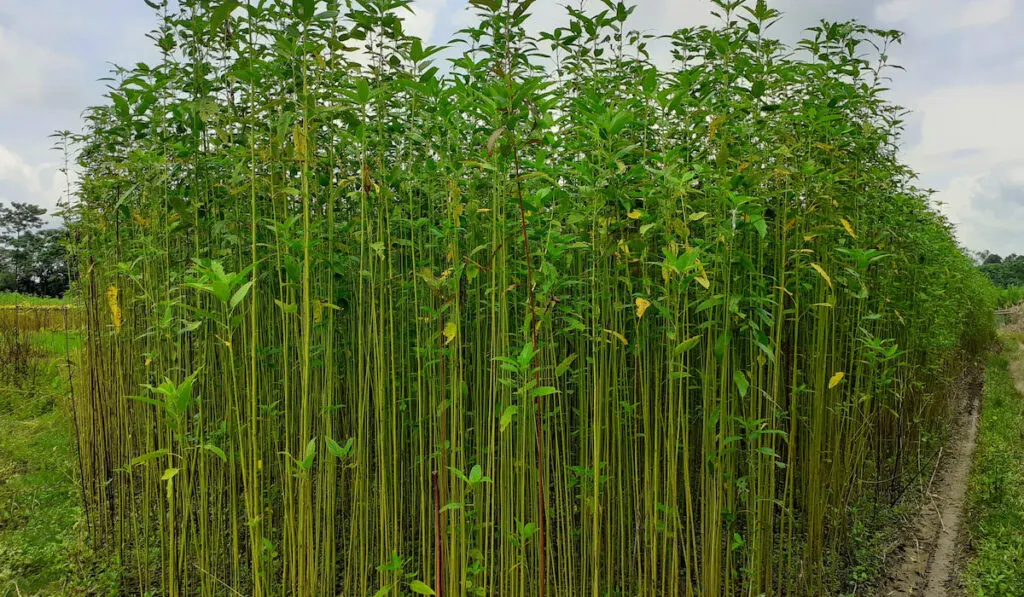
(1005, 272)
(33, 255)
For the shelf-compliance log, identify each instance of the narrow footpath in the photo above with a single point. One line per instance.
(926, 563)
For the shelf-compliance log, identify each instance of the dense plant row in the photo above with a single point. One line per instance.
(548, 318)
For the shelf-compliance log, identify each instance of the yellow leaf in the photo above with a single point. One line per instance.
(619, 336)
(849, 228)
(451, 330)
(702, 277)
(115, 308)
(818, 269)
(641, 307)
(300, 143)
(635, 215)
(836, 380)
(318, 311)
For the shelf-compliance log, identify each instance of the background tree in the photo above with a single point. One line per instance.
(33, 259)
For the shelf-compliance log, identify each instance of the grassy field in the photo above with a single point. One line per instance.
(41, 549)
(997, 485)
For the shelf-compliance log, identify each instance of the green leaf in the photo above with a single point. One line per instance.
(741, 382)
(221, 13)
(217, 451)
(543, 391)
(421, 588)
(506, 417)
(169, 474)
(687, 344)
(338, 450)
(287, 308)
(760, 225)
(148, 457)
(458, 473)
(564, 365)
(491, 5)
(310, 454)
(451, 506)
(240, 294)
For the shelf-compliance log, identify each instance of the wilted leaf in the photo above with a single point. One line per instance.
(849, 228)
(115, 308)
(642, 305)
(451, 330)
(821, 271)
(836, 380)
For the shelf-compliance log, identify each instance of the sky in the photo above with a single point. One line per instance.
(964, 84)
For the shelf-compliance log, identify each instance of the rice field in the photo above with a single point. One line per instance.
(581, 311)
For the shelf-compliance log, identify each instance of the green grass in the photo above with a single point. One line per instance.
(997, 484)
(39, 499)
(24, 300)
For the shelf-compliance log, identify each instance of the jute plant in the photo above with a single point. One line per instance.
(577, 312)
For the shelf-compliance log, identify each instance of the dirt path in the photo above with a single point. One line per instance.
(927, 561)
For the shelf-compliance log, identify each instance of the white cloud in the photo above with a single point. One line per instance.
(969, 129)
(982, 12)
(15, 169)
(976, 133)
(944, 15)
(34, 75)
(896, 11)
(424, 20)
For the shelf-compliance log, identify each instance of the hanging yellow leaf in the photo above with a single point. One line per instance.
(836, 380)
(702, 276)
(635, 215)
(115, 308)
(318, 311)
(849, 228)
(642, 305)
(451, 330)
(821, 271)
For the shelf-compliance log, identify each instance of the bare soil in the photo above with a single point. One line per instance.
(926, 563)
